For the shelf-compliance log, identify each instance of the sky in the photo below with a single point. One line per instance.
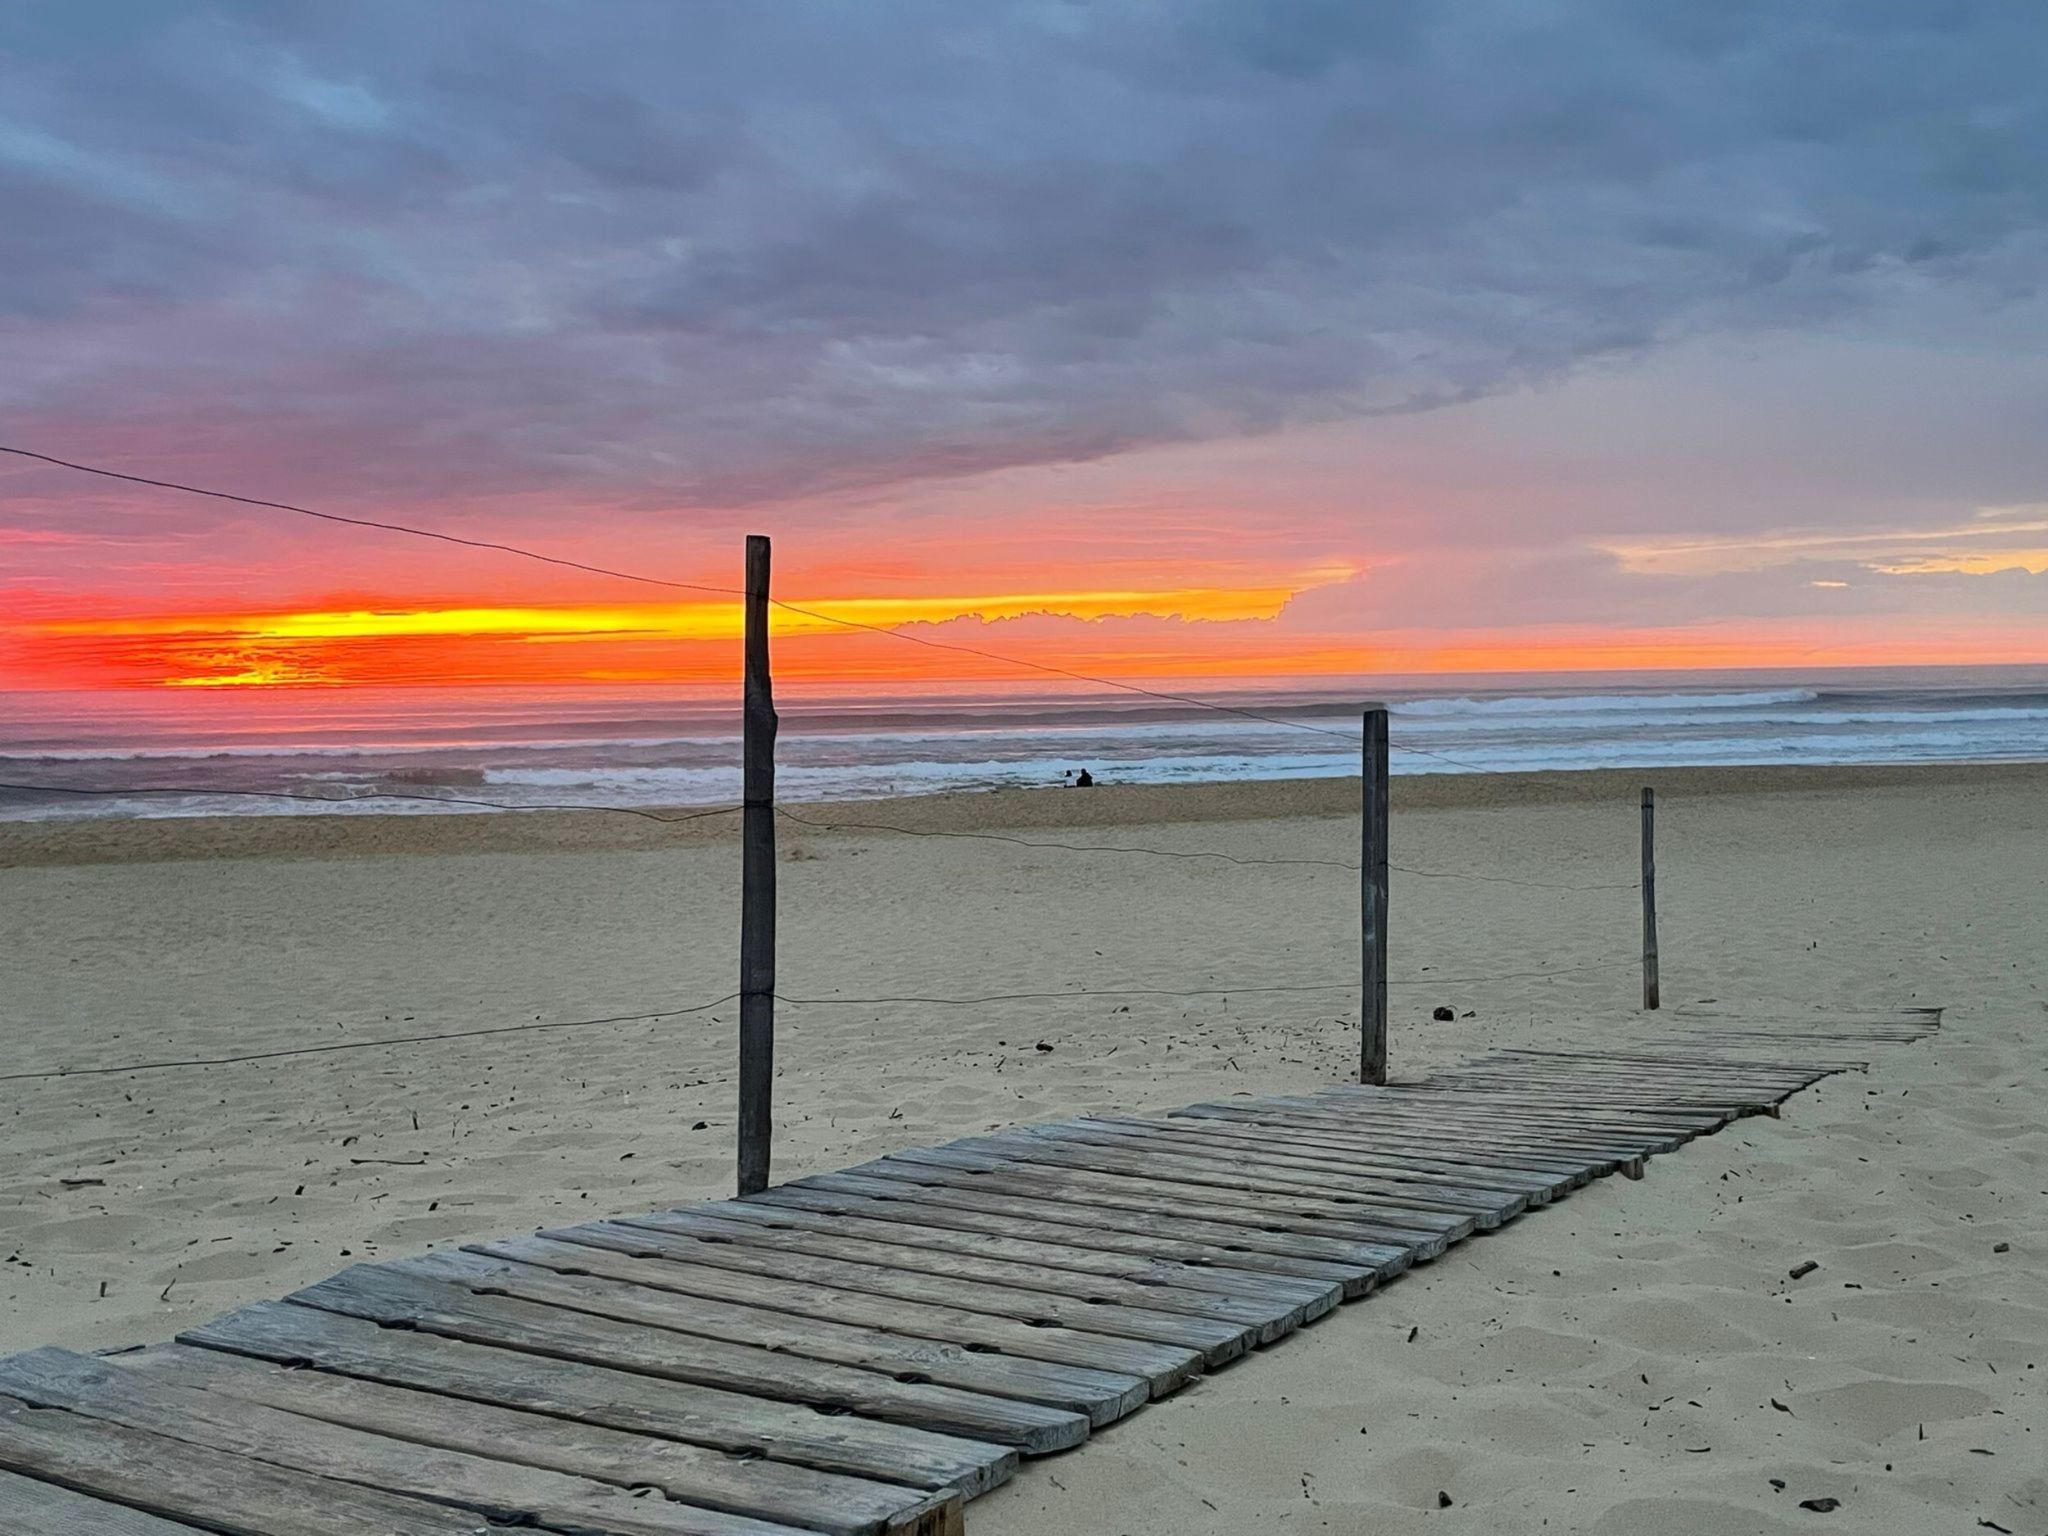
(1227, 339)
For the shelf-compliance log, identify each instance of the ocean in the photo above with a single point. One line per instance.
(431, 750)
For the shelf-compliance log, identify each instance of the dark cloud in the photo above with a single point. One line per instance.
(749, 251)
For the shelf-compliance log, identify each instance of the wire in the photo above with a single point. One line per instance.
(286, 794)
(662, 581)
(369, 522)
(1439, 756)
(1326, 986)
(795, 1002)
(362, 1045)
(1197, 853)
(1084, 677)
(1539, 885)
(1024, 842)
(1029, 997)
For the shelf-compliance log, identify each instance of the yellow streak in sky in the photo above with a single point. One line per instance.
(688, 621)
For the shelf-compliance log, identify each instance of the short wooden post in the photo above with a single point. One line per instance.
(757, 886)
(1372, 1007)
(1649, 897)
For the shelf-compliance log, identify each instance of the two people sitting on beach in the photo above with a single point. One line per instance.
(1085, 780)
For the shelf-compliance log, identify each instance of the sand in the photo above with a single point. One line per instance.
(1632, 1360)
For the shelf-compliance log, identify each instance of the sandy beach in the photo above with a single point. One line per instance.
(1633, 1360)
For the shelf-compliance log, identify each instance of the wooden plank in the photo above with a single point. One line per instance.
(1500, 1124)
(1242, 1177)
(1297, 1213)
(925, 1215)
(1480, 1178)
(1546, 1113)
(1057, 1252)
(230, 1495)
(1269, 1312)
(382, 1296)
(761, 1252)
(1641, 1089)
(768, 1490)
(1113, 1220)
(734, 1423)
(1455, 1147)
(609, 1282)
(31, 1508)
(499, 1491)
(1508, 1093)
(1513, 1101)
(1145, 1148)
(1553, 1175)
(1456, 1125)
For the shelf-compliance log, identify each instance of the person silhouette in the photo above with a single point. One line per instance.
(1084, 780)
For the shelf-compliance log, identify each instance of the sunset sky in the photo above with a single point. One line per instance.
(1226, 339)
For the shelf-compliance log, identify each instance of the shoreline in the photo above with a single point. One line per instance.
(145, 840)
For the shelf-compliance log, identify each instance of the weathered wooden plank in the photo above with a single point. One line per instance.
(759, 1251)
(1457, 1129)
(1269, 1314)
(1554, 1176)
(930, 1188)
(1512, 1103)
(1494, 1124)
(499, 1491)
(1481, 1179)
(1609, 1087)
(383, 1296)
(1315, 1297)
(1538, 1112)
(1146, 1147)
(1241, 1178)
(1456, 1148)
(1572, 1082)
(649, 1403)
(922, 1216)
(1281, 1214)
(768, 1490)
(1508, 1092)
(611, 1283)
(31, 1508)
(227, 1494)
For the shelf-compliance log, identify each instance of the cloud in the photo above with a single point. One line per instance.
(731, 253)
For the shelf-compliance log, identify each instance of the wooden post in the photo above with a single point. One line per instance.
(1649, 897)
(1372, 1007)
(757, 887)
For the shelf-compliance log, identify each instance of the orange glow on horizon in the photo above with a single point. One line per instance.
(690, 641)
(1238, 635)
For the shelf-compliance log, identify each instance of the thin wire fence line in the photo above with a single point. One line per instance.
(334, 1047)
(287, 794)
(368, 522)
(1025, 842)
(365, 1045)
(788, 815)
(1188, 853)
(1323, 986)
(1537, 885)
(688, 586)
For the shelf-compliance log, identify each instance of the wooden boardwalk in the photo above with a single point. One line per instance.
(862, 1351)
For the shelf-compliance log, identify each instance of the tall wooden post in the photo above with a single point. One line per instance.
(1649, 897)
(757, 887)
(1372, 1009)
